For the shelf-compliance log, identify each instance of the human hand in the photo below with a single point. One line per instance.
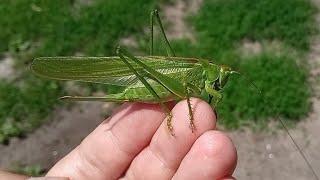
(135, 144)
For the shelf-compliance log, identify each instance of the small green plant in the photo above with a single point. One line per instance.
(30, 170)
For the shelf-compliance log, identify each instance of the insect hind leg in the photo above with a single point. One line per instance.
(191, 117)
(155, 15)
(190, 110)
(149, 87)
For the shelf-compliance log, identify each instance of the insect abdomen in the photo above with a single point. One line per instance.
(142, 94)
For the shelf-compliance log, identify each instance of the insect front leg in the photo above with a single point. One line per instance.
(189, 89)
(191, 118)
(216, 96)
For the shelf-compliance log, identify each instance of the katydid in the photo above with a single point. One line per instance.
(148, 79)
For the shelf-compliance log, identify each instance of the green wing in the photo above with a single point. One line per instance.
(111, 70)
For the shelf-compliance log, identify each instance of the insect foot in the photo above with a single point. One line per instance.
(169, 123)
(191, 124)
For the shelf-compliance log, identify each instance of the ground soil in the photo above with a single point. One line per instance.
(6, 68)
(261, 155)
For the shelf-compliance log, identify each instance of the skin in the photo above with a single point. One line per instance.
(135, 144)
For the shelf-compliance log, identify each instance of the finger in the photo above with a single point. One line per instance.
(213, 156)
(110, 148)
(48, 178)
(162, 157)
(9, 175)
(228, 178)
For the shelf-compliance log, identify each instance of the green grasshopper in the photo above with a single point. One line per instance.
(148, 79)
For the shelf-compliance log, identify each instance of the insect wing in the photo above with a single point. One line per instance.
(106, 70)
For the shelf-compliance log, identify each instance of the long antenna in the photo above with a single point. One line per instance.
(281, 122)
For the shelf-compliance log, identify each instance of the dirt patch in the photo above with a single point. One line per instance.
(129, 42)
(6, 68)
(314, 60)
(176, 14)
(249, 48)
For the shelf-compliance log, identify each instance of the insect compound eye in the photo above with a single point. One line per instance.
(216, 85)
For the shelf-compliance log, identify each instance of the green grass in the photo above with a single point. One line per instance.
(29, 170)
(222, 25)
(284, 86)
(61, 29)
(21, 22)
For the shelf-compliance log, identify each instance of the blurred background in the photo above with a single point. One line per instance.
(274, 42)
